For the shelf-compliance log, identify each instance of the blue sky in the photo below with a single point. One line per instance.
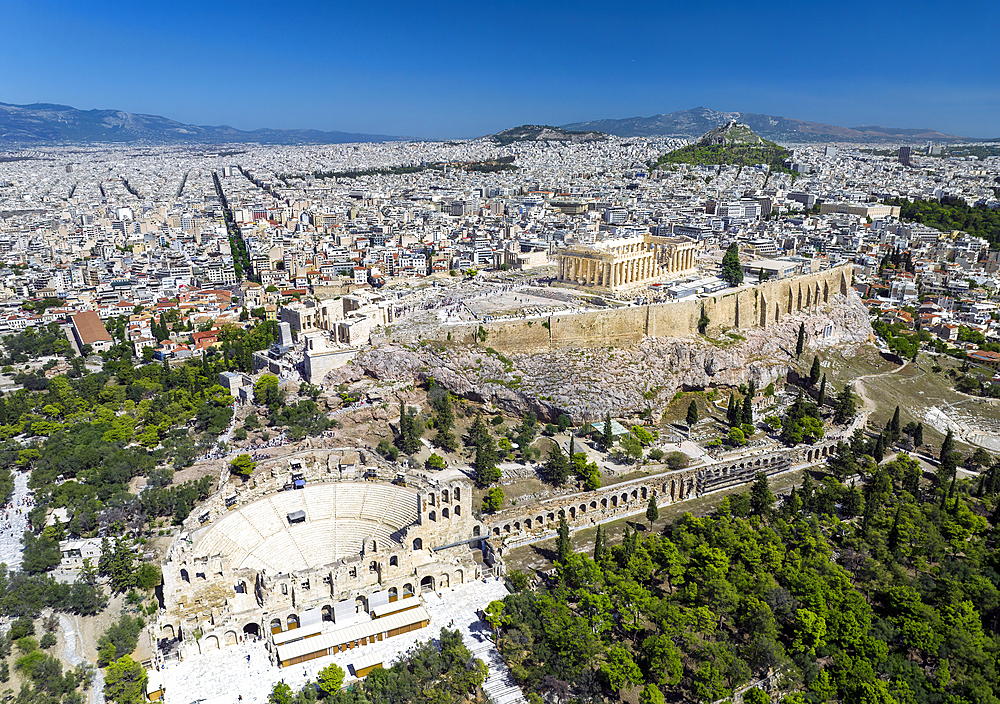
(450, 69)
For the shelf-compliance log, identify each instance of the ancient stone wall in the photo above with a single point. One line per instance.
(762, 305)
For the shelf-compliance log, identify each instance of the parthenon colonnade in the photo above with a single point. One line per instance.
(618, 264)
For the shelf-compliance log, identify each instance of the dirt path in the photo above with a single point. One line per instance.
(867, 404)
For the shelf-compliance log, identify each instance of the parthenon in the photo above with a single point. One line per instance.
(620, 264)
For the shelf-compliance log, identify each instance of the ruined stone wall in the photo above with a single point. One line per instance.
(762, 305)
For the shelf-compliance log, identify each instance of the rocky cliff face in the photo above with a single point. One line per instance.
(587, 383)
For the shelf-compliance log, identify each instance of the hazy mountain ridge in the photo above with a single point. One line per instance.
(545, 133)
(697, 121)
(49, 123)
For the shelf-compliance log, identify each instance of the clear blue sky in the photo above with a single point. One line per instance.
(463, 69)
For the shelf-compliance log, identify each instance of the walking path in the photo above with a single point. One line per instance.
(245, 670)
(14, 521)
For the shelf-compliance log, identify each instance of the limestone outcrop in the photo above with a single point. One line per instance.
(586, 383)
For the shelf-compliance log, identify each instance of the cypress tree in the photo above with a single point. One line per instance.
(814, 371)
(894, 427)
(918, 435)
(746, 412)
(732, 414)
(607, 437)
(599, 543)
(879, 451)
(822, 393)
(692, 413)
(652, 512)
(800, 343)
(563, 546)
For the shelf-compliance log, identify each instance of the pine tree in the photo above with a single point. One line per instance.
(732, 272)
(652, 512)
(478, 432)
(918, 435)
(487, 472)
(821, 399)
(692, 414)
(878, 453)
(814, 371)
(556, 466)
(800, 343)
(845, 407)
(563, 546)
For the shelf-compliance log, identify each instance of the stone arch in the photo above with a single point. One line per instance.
(407, 590)
(458, 510)
(427, 584)
(327, 612)
(816, 295)
(614, 502)
(394, 561)
(583, 508)
(276, 625)
(624, 498)
(360, 605)
(432, 516)
(430, 498)
(251, 629)
(444, 496)
(459, 576)
(539, 522)
(527, 524)
(229, 638)
(496, 531)
(457, 493)
(644, 493)
(475, 531)
(418, 544)
(517, 526)
(808, 296)
(393, 594)
(211, 643)
(572, 512)
(593, 505)
(506, 528)
(168, 632)
(185, 576)
(552, 517)
(444, 514)
(604, 503)
(292, 621)
(445, 581)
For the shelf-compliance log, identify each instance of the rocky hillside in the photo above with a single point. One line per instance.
(586, 384)
(544, 133)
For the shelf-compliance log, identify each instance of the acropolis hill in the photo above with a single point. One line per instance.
(627, 359)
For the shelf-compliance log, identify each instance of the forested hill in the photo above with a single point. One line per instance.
(882, 594)
(951, 213)
(740, 148)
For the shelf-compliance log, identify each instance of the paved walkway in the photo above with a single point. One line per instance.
(14, 521)
(222, 676)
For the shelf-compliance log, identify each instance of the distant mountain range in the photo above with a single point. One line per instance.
(697, 121)
(44, 123)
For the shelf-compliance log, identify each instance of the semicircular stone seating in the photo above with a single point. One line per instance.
(339, 517)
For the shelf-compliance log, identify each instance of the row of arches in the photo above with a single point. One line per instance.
(445, 496)
(817, 453)
(445, 514)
